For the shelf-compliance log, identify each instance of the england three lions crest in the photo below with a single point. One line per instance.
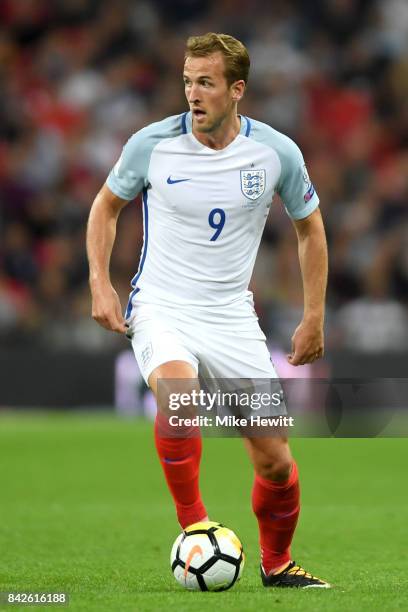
(252, 183)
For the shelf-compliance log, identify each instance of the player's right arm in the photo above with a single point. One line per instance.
(127, 179)
(101, 232)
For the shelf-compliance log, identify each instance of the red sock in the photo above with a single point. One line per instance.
(276, 505)
(180, 460)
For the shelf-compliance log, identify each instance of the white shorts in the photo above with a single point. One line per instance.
(225, 342)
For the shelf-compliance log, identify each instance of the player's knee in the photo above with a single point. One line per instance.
(278, 469)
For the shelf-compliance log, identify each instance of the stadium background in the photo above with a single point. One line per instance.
(78, 77)
(84, 508)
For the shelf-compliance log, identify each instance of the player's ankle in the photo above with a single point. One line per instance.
(205, 519)
(277, 569)
(186, 519)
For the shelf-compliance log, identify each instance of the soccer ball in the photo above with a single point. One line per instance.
(207, 557)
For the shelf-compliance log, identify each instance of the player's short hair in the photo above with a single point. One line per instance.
(236, 57)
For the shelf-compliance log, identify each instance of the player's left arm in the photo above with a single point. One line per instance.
(308, 339)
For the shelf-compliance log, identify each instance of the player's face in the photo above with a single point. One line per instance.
(210, 98)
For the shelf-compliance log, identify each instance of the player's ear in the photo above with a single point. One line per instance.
(238, 88)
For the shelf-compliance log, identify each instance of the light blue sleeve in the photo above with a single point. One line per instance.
(130, 173)
(294, 185)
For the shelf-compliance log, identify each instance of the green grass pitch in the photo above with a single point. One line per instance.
(84, 509)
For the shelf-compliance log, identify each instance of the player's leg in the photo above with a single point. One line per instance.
(179, 455)
(276, 485)
(240, 357)
(161, 352)
(276, 504)
(275, 498)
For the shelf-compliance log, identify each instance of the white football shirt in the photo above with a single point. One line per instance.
(205, 210)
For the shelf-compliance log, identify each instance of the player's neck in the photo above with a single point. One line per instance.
(222, 136)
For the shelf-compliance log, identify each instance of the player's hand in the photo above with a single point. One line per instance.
(307, 343)
(106, 308)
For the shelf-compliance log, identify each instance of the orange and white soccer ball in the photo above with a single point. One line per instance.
(207, 557)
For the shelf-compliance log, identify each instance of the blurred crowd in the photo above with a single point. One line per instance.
(78, 77)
